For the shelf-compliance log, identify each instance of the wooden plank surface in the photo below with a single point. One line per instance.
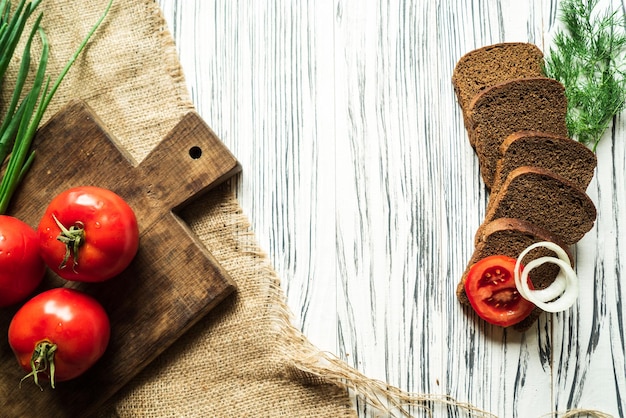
(171, 283)
(361, 185)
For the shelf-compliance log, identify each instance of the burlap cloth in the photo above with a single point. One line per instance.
(245, 358)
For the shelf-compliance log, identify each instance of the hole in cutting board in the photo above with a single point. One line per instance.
(195, 152)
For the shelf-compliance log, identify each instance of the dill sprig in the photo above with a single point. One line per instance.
(587, 58)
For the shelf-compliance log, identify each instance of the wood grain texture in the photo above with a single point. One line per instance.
(171, 283)
(360, 184)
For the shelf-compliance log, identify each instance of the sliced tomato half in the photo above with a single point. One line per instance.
(490, 288)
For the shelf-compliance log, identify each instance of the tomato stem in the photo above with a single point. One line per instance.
(73, 238)
(41, 361)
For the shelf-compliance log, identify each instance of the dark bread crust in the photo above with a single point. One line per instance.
(490, 65)
(509, 237)
(537, 104)
(545, 199)
(561, 155)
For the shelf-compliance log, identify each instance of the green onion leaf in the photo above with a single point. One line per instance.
(25, 110)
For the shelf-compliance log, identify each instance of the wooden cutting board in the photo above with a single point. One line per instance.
(172, 282)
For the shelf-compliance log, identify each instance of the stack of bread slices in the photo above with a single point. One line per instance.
(537, 176)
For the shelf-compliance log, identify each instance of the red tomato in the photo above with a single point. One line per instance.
(21, 266)
(59, 334)
(490, 288)
(88, 234)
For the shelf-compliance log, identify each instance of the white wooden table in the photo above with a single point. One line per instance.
(361, 185)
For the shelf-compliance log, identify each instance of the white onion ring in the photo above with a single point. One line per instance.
(556, 288)
(562, 293)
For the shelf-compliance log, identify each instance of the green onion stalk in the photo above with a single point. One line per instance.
(25, 108)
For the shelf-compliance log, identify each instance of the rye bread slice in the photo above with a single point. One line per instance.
(509, 237)
(545, 199)
(525, 104)
(560, 155)
(490, 65)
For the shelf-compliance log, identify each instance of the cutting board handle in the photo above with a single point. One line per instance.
(188, 162)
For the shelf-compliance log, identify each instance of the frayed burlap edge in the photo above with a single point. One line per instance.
(303, 361)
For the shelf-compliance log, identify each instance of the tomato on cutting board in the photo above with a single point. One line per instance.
(88, 234)
(490, 288)
(21, 266)
(59, 334)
